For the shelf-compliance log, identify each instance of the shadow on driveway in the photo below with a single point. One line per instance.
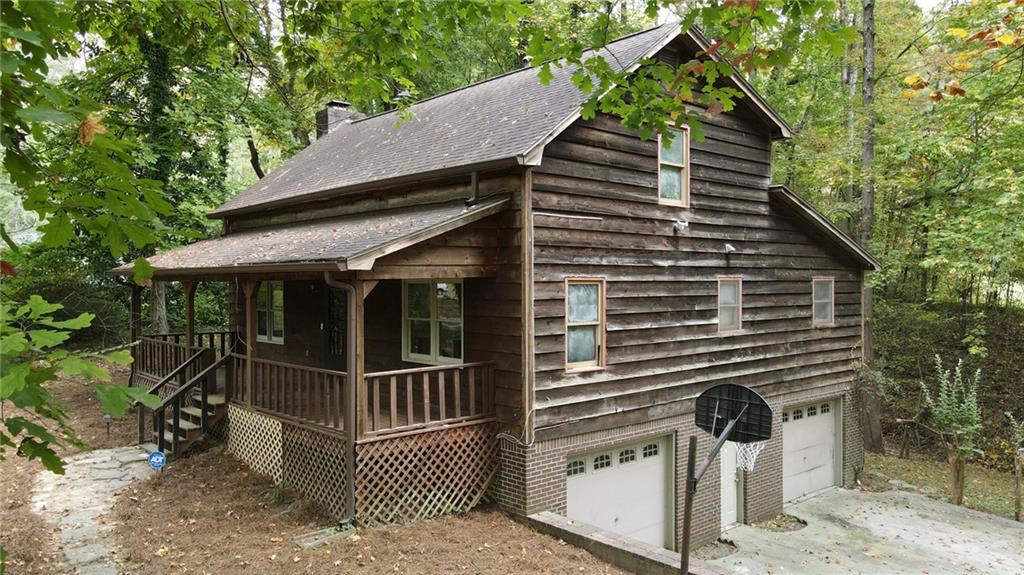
(891, 532)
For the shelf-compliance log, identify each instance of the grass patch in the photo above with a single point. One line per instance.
(986, 489)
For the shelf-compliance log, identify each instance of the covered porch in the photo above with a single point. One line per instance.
(371, 391)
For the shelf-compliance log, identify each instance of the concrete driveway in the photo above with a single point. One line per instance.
(891, 532)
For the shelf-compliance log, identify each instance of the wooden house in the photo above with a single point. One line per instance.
(497, 298)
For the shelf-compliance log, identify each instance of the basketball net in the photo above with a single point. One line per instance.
(746, 454)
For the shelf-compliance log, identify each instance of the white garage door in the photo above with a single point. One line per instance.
(809, 449)
(624, 490)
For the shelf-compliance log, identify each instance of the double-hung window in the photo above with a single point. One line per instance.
(432, 326)
(674, 170)
(584, 324)
(823, 298)
(270, 312)
(730, 303)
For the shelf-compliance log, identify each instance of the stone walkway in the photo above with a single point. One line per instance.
(75, 502)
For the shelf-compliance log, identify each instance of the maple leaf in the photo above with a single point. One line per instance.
(89, 127)
(7, 269)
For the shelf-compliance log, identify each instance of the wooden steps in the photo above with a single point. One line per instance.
(190, 423)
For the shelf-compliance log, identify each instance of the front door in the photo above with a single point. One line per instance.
(337, 322)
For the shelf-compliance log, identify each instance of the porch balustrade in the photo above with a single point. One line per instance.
(310, 394)
(156, 358)
(221, 342)
(426, 397)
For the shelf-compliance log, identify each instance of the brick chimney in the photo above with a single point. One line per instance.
(334, 114)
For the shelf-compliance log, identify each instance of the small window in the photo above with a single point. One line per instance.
(673, 169)
(433, 321)
(602, 461)
(627, 455)
(812, 411)
(785, 416)
(650, 450)
(270, 312)
(798, 414)
(824, 300)
(575, 467)
(584, 324)
(825, 408)
(730, 304)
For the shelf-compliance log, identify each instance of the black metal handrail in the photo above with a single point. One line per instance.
(202, 379)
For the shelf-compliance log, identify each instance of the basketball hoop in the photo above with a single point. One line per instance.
(746, 454)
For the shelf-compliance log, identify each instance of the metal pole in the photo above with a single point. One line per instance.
(691, 492)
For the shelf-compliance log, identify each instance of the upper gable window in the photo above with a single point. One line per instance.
(433, 321)
(674, 169)
(824, 300)
(270, 312)
(730, 303)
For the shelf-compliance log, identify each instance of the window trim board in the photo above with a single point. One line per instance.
(684, 195)
(602, 354)
(739, 304)
(832, 300)
(435, 322)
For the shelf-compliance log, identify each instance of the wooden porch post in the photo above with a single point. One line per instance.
(190, 312)
(249, 287)
(359, 366)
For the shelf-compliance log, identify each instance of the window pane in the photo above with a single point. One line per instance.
(822, 290)
(262, 319)
(261, 297)
(278, 326)
(277, 295)
(729, 292)
(450, 340)
(419, 337)
(823, 311)
(674, 153)
(671, 183)
(449, 301)
(419, 300)
(583, 302)
(582, 343)
(729, 317)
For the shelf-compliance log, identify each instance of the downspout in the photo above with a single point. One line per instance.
(350, 395)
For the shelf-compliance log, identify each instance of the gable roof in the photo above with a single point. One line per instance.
(794, 204)
(500, 122)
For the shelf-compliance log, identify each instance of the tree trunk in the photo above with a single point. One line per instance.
(1017, 481)
(871, 415)
(958, 468)
(158, 308)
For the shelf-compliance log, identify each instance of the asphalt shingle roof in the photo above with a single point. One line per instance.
(502, 118)
(329, 241)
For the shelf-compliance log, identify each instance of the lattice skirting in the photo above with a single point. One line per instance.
(314, 465)
(424, 475)
(255, 438)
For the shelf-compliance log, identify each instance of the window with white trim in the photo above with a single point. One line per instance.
(270, 312)
(432, 321)
(584, 323)
(650, 450)
(575, 467)
(730, 304)
(674, 169)
(627, 455)
(602, 461)
(823, 296)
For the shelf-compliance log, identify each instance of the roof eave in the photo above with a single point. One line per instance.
(824, 225)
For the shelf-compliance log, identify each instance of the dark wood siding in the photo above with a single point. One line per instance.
(596, 214)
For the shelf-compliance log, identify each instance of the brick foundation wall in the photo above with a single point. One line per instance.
(532, 478)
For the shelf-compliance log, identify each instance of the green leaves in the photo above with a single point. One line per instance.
(117, 399)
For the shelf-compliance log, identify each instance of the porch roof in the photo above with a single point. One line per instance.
(350, 242)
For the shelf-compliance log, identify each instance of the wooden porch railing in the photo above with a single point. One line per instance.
(410, 399)
(156, 358)
(308, 393)
(222, 342)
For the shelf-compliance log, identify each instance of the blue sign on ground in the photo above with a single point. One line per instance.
(157, 459)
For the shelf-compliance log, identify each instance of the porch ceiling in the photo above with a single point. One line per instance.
(350, 242)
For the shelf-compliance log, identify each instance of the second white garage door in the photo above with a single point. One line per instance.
(624, 490)
(809, 448)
